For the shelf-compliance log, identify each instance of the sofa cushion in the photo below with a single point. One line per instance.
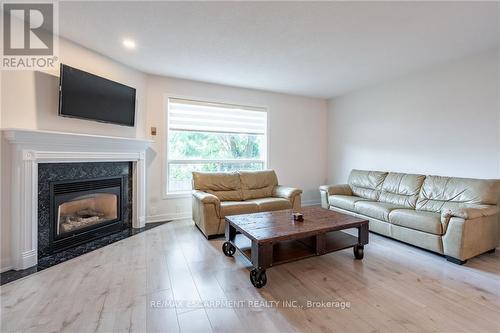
(237, 207)
(344, 201)
(401, 189)
(375, 209)
(224, 185)
(419, 220)
(366, 184)
(442, 193)
(270, 204)
(258, 184)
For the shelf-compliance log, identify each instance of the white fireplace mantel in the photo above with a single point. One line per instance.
(30, 147)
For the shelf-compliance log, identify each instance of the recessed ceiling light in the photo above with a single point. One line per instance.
(128, 43)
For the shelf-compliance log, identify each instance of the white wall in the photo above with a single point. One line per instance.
(30, 98)
(297, 137)
(444, 120)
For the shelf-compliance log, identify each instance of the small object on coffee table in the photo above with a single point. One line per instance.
(298, 217)
(268, 239)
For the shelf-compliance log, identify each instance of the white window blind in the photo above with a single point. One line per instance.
(206, 136)
(186, 115)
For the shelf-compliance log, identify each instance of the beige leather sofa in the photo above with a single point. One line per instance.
(457, 217)
(217, 195)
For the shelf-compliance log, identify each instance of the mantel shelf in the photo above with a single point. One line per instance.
(41, 137)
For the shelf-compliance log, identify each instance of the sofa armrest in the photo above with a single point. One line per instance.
(466, 238)
(206, 198)
(286, 192)
(290, 193)
(206, 213)
(470, 213)
(341, 189)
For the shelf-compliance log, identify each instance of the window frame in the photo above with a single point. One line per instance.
(166, 161)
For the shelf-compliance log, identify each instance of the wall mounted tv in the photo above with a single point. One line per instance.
(87, 96)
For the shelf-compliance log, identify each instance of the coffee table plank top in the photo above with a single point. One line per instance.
(279, 225)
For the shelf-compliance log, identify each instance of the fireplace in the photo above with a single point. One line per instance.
(84, 210)
(37, 158)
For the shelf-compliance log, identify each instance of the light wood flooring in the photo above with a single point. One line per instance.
(129, 286)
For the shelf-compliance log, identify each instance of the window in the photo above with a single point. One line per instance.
(206, 136)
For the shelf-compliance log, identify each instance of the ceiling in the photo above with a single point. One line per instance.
(319, 49)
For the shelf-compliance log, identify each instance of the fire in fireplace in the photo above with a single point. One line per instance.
(84, 210)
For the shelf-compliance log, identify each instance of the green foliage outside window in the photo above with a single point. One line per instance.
(211, 146)
(198, 145)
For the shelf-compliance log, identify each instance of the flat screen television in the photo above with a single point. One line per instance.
(88, 96)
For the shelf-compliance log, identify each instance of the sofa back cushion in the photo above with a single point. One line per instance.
(224, 185)
(401, 189)
(258, 184)
(366, 184)
(440, 193)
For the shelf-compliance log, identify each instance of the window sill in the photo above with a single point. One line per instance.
(177, 195)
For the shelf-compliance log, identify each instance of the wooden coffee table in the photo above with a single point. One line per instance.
(273, 238)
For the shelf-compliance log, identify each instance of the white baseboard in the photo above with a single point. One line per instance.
(28, 259)
(188, 215)
(6, 268)
(5, 265)
(168, 217)
(310, 202)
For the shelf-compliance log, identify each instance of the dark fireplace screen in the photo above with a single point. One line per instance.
(84, 210)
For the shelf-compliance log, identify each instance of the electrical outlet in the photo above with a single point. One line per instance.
(153, 210)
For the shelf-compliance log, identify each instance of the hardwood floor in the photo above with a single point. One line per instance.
(132, 285)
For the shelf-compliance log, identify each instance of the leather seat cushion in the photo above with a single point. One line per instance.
(419, 220)
(270, 204)
(377, 210)
(344, 201)
(238, 207)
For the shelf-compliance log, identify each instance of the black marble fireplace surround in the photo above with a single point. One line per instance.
(69, 175)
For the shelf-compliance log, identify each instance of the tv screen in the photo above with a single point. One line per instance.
(87, 96)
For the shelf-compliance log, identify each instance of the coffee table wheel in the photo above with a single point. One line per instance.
(258, 277)
(358, 251)
(228, 249)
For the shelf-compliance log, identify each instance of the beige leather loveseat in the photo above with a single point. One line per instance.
(457, 217)
(217, 195)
